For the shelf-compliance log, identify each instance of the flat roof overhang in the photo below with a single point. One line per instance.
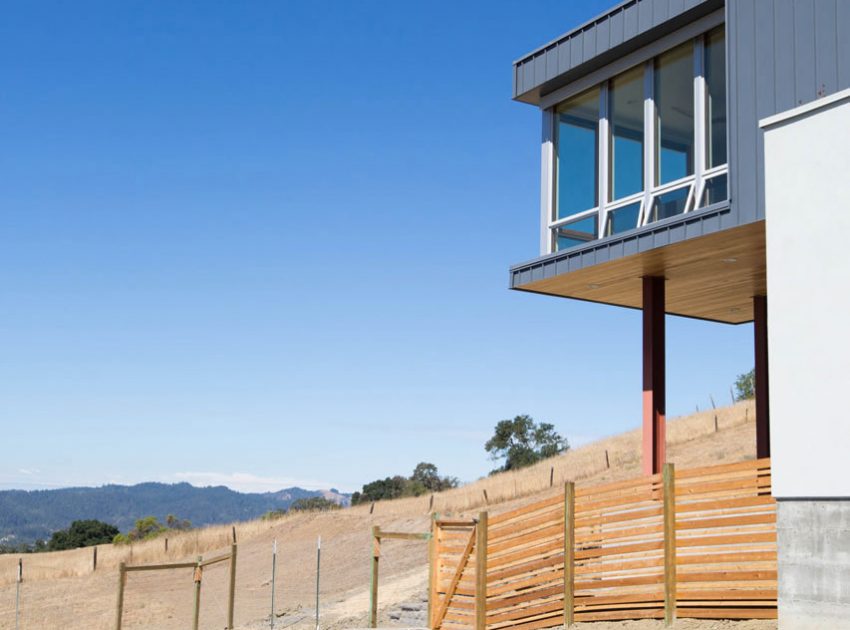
(712, 277)
(624, 28)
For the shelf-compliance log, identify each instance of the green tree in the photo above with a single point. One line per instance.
(425, 478)
(82, 534)
(145, 529)
(429, 477)
(313, 504)
(521, 442)
(380, 489)
(745, 385)
(180, 524)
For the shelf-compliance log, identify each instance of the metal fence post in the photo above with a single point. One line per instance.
(274, 570)
(668, 476)
(318, 575)
(19, 579)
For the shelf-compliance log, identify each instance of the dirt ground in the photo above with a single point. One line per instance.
(163, 600)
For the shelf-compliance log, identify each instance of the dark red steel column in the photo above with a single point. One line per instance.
(654, 390)
(762, 378)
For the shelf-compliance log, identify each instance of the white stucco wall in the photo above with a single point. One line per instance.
(807, 182)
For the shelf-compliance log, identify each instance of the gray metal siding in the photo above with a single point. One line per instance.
(626, 26)
(781, 54)
(659, 234)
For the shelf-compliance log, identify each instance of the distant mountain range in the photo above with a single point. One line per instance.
(27, 515)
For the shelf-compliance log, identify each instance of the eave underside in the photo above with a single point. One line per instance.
(713, 277)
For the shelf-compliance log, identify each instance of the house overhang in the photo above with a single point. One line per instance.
(619, 31)
(712, 276)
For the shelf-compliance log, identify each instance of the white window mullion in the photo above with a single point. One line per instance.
(604, 161)
(649, 141)
(548, 162)
(700, 121)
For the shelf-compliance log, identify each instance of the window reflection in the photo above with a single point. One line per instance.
(626, 121)
(622, 219)
(669, 204)
(577, 129)
(715, 190)
(674, 106)
(715, 83)
(576, 232)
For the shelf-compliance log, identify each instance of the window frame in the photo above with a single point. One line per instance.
(695, 183)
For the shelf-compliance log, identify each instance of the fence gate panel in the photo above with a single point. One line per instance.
(525, 566)
(454, 608)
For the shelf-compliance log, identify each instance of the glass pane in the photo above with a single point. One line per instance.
(715, 81)
(626, 121)
(577, 146)
(576, 232)
(669, 204)
(622, 219)
(715, 191)
(674, 106)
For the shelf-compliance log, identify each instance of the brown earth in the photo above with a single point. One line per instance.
(61, 591)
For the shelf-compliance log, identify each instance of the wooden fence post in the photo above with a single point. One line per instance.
(668, 476)
(481, 573)
(569, 552)
(433, 570)
(119, 608)
(231, 595)
(373, 582)
(196, 614)
(94, 559)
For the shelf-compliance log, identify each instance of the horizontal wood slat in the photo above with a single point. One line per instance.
(724, 553)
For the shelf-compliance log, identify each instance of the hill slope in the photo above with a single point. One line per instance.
(61, 590)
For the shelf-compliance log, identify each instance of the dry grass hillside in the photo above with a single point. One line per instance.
(61, 591)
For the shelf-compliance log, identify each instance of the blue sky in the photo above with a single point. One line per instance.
(266, 243)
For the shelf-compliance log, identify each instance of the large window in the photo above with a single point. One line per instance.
(646, 145)
(577, 132)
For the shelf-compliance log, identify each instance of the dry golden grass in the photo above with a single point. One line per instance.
(62, 592)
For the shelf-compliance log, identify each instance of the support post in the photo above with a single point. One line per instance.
(433, 570)
(481, 573)
(196, 611)
(274, 570)
(569, 552)
(94, 559)
(319, 573)
(668, 476)
(373, 581)
(762, 377)
(119, 607)
(231, 595)
(18, 581)
(654, 391)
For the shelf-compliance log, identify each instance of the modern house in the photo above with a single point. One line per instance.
(695, 161)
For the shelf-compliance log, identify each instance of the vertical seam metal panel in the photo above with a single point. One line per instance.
(842, 16)
(804, 51)
(826, 50)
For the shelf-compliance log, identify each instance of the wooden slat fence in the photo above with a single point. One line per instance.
(690, 543)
